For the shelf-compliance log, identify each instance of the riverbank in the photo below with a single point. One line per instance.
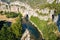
(47, 30)
(36, 27)
(34, 33)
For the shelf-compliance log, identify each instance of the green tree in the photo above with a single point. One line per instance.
(6, 34)
(16, 27)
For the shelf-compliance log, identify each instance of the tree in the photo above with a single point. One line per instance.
(16, 27)
(6, 34)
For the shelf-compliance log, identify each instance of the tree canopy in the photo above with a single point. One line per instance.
(13, 32)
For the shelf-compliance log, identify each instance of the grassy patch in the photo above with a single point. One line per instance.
(47, 30)
(9, 14)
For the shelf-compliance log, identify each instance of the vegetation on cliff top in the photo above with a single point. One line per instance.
(14, 32)
(47, 30)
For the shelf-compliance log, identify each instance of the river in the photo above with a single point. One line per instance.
(32, 29)
(58, 22)
(4, 22)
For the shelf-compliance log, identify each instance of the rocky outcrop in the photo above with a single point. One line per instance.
(26, 35)
(50, 1)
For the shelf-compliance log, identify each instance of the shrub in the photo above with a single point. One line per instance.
(1, 12)
(11, 15)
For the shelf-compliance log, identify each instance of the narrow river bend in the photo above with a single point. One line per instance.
(32, 29)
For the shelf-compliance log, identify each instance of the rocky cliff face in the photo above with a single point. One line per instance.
(33, 3)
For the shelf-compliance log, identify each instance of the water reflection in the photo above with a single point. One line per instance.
(58, 22)
(4, 22)
(32, 29)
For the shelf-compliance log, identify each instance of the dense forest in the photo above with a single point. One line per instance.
(11, 31)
